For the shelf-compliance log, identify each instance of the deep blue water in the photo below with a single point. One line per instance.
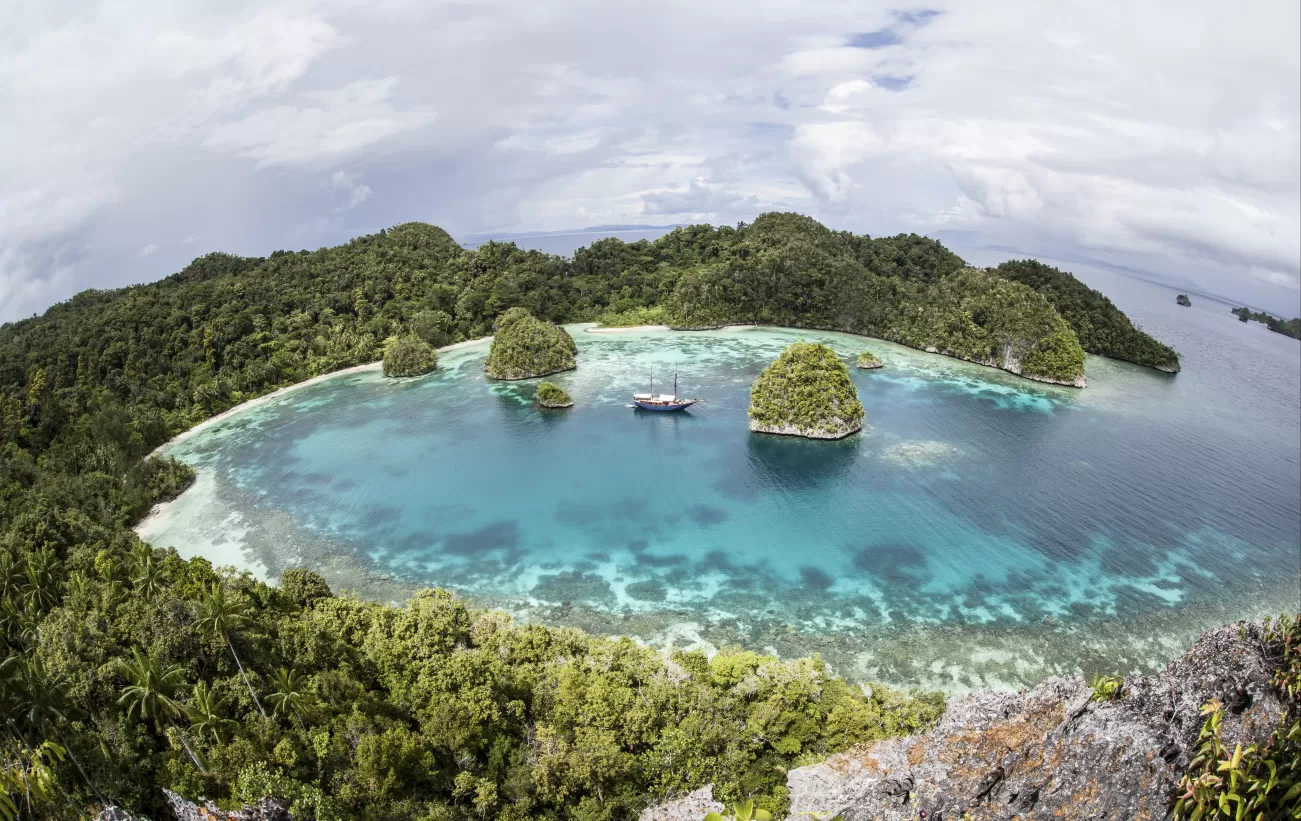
(983, 529)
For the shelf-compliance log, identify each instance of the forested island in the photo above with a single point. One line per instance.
(806, 392)
(524, 347)
(127, 669)
(1290, 327)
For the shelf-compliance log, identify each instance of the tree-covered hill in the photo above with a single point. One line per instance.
(1101, 327)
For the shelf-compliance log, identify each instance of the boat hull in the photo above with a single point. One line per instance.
(663, 406)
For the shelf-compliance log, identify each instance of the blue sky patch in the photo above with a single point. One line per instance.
(892, 83)
(890, 36)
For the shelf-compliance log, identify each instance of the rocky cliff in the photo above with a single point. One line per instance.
(1052, 752)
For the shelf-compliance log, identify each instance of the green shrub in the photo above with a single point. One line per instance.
(806, 390)
(408, 356)
(1256, 782)
(1106, 688)
(525, 347)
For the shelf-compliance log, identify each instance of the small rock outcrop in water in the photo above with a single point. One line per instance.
(1052, 752)
(868, 361)
(806, 392)
(525, 347)
(1183, 300)
(551, 395)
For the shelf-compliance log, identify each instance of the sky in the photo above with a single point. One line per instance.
(1152, 137)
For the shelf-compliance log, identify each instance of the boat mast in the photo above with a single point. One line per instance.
(675, 384)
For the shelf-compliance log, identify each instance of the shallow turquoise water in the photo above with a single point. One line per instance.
(983, 529)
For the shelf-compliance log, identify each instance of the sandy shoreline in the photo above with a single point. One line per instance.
(267, 397)
(629, 329)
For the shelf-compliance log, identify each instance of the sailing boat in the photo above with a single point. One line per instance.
(664, 401)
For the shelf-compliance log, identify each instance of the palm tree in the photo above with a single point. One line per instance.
(204, 712)
(221, 615)
(150, 694)
(150, 576)
(41, 589)
(291, 695)
(151, 689)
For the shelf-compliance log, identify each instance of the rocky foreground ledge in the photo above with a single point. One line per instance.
(1052, 752)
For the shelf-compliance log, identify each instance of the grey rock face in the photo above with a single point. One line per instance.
(268, 809)
(691, 807)
(1052, 752)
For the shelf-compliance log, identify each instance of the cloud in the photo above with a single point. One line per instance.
(1115, 131)
(147, 251)
(350, 184)
(324, 127)
(698, 200)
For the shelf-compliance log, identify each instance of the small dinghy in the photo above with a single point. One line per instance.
(662, 402)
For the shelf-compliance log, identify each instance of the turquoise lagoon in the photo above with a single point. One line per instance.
(983, 530)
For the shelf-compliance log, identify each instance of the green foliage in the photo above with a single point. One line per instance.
(303, 587)
(1259, 782)
(1290, 327)
(1255, 782)
(1102, 329)
(408, 355)
(1105, 687)
(867, 359)
(28, 783)
(432, 710)
(433, 327)
(744, 811)
(524, 347)
(551, 395)
(807, 389)
(633, 317)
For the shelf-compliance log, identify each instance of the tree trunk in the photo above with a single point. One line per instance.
(247, 684)
(185, 742)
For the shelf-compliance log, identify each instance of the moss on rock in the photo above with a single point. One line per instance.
(806, 392)
(408, 356)
(551, 395)
(525, 347)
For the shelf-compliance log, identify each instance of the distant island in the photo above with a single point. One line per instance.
(1290, 327)
(1183, 300)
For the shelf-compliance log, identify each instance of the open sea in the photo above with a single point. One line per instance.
(982, 530)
